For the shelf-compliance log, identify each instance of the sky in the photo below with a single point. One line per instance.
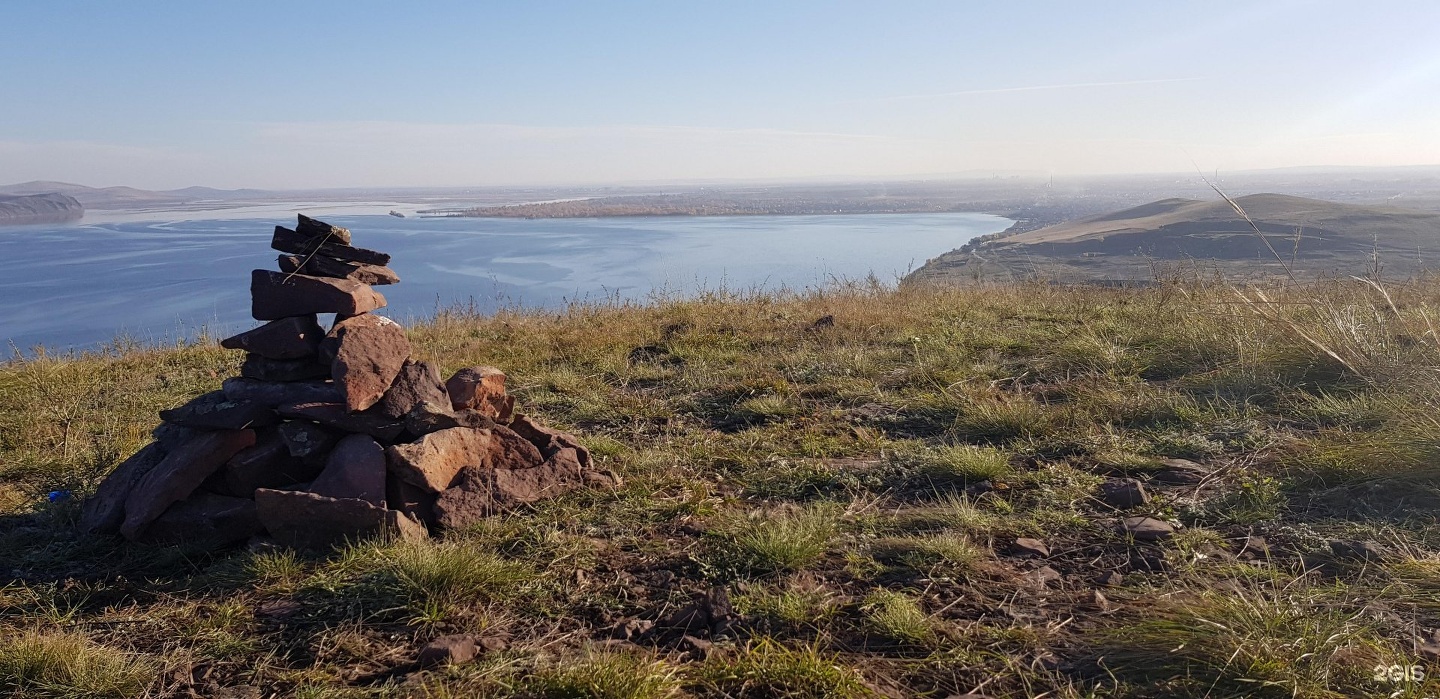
(358, 93)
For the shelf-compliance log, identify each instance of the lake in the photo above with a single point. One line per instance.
(171, 276)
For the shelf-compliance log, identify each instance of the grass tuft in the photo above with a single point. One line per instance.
(63, 665)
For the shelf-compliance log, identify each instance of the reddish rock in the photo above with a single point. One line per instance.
(354, 469)
(306, 520)
(267, 464)
(1123, 493)
(205, 518)
(179, 474)
(296, 337)
(319, 266)
(369, 352)
(273, 393)
(427, 417)
(313, 229)
(447, 650)
(417, 382)
(335, 415)
(481, 388)
(409, 498)
(485, 491)
(275, 295)
(1030, 547)
(286, 240)
(264, 369)
(550, 441)
(105, 510)
(1147, 528)
(214, 411)
(306, 440)
(434, 461)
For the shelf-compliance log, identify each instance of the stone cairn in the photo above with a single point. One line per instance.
(333, 436)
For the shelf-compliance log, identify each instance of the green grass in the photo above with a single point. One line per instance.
(855, 491)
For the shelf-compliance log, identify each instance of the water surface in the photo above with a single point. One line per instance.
(162, 279)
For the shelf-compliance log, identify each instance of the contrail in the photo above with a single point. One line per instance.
(1032, 88)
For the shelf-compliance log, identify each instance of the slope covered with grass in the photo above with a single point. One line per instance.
(839, 504)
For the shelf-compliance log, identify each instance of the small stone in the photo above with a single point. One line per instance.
(1147, 528)
(273, 393)
(1110, 579)
(177, 475)
(481, 388)
(296, 337)
(286, 240)
(214, 411)
(1353, 550)
(696, 648)
(313, 229)
(1043, 576)
(491, 644)
(306, 520)
(1123, 493)
(1100, 600)
(354, 469)
(105, 510)
(264, 369)
(631, 629)
(427, 417)
(1030, 547)
(1180, 472)
(335, 415)
(369, 351)
(275, 295)
(550, 441)
(320, 266)
(417, 382)
(1429, 651)
(447, 650)
(205, 518)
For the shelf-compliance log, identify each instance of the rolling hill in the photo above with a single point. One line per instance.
(1162, 238)
(39, 208)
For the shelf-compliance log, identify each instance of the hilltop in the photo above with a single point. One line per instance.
(1311, 236)
(1016, 490)
(39, 208)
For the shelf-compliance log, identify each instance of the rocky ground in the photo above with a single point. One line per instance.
(998, 491)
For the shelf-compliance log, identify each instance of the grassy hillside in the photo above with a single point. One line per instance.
(1185, 237)
(854, 487)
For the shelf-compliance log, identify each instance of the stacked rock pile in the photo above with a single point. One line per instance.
(334, 435)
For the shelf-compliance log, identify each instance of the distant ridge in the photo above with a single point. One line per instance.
(1187, 235)
(121, 197)
(50, 207)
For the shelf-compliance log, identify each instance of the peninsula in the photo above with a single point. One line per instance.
(39, 208)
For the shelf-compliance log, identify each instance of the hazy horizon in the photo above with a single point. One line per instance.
(360, 95)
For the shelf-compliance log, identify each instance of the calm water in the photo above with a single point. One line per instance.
(159, 280)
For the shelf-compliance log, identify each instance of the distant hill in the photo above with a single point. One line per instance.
(125, 197)
(1187, 236)
(39, 208)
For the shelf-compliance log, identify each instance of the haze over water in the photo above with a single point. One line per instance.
(156, 281)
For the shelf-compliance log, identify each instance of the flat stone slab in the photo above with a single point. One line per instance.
(307, 440)
(282, 370)
(104, 512)
(216, 411)
(306, 520)
(286, 240)
(427, 417)
(321, 266)
(312, 228)
(273, 393)
(335, 415)
(275, 295)
(296, 337)
(179, 474)
(417, 382)
(354, 469)
(369, 352)
(205, 518)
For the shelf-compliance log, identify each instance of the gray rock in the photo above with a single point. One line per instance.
(286, 240)
(205, 519)
(104, 511)
(273, 393)
(334, 415)
(417, 382)
(1030, 547)
(296, 337)
(320, 266)
(178, 475)
(1123, 493)
(354, 469)
(321, 231)
(307, 520)
(215, 411)
(1147, 528)
(265, 369)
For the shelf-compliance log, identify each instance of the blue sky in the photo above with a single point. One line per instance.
(329, 94)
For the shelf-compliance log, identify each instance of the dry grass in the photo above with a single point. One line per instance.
(855, 488)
